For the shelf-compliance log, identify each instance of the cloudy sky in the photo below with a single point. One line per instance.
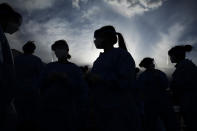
(150, 27)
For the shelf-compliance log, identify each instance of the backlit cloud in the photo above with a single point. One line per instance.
(134, 7)
(150, 27)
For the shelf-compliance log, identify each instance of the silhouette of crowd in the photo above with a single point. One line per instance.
(113, 96)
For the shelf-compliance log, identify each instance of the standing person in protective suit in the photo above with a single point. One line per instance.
(112, 78)
(28, 68)
(184, 85)
(64, 93)
(157, 102)
(10, 22)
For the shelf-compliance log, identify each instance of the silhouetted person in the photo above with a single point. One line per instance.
(28, 68)
(63, 93)
(138, 95)
(184, 85)
(10, 21)
(157, 102)
(113, 75)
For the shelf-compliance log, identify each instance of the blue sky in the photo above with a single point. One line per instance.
(150, 27)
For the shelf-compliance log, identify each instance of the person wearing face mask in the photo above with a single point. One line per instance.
(10, 22)
(153, 84)
(64, 93)
(112, 78)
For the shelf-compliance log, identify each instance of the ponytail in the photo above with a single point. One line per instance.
(121, 42)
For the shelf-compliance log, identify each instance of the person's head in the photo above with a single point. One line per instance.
(10, 20)
(61, 49)
(29, 47)
(147, 63)
(177, 53)
(107, 36)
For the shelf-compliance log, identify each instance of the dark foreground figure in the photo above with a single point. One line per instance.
(157, 101)
(112, 78)
(184, 85)
(28, 68)
(10, 22)
(64, 94)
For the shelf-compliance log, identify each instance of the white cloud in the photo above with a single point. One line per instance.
(45, 34)
(168, 40)
(88, 14)
(151, 4)
(130, 8)
(76, 3)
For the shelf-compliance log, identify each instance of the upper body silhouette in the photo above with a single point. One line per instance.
(63, 92)
(10, 21)
(183, 84)
(113, 75)
(28, 68)
(157, 102)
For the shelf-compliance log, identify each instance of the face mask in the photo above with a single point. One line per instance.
(11, 28)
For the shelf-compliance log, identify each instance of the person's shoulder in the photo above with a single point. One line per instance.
(35, 57)
(51, 64)
(143, 75)
(124, 55)
(159, 71)
(186, 63)
(122, 52)
(73, 65)
(19, 57)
